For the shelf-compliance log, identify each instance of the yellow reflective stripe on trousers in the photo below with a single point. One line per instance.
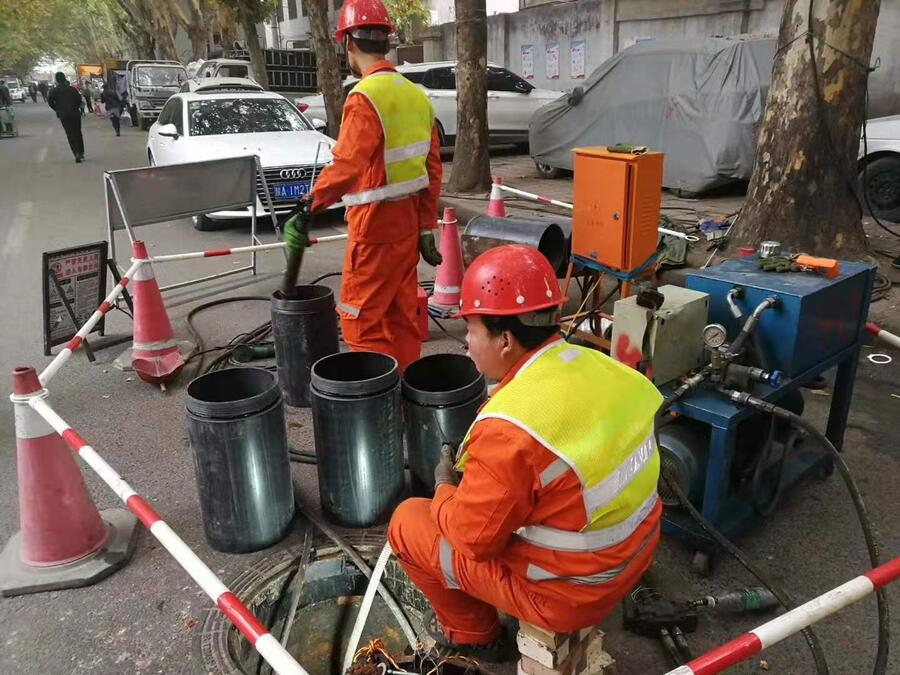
(386, 192)
(593, 540)
(446, 556)
(537, 573)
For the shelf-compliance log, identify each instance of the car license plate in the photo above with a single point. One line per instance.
(291, 190)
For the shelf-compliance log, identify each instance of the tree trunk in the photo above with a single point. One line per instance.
(199, 43)
(803, 189)
(471, 162)
(328, 67)
(257, 56)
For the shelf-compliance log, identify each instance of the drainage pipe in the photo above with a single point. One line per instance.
(366, 606)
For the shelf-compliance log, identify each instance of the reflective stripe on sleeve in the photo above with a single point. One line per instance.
(594, 540)
(554, 471)
(446, 555)
(350, 309)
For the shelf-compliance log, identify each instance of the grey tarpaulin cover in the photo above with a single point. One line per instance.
(699, 101)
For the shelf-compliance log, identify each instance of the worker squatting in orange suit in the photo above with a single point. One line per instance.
(378, 290)
(556, 516)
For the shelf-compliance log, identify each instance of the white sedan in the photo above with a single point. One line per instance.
(511, 100)
(218, 123)
(882, 167)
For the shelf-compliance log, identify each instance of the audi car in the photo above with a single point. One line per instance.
(220, 121)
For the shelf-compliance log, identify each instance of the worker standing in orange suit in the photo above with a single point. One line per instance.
(386, 169)
(557, 515)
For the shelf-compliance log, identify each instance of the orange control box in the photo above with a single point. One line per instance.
(616, 206)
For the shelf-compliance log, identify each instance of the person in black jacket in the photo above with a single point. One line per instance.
(113, 105)
(66, 101)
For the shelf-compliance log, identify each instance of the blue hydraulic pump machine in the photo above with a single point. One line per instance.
(733, 462)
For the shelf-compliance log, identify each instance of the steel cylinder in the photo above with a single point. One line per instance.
(235, 422)
(485, 232)
(441, 397)
(359, 436)
(304, 328)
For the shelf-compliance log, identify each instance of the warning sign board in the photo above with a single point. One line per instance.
(81, 272)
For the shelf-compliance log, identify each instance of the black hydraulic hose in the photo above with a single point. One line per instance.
(672, 483)
(750, 324)
(858, 503)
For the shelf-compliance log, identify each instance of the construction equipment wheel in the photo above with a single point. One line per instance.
(547, 171)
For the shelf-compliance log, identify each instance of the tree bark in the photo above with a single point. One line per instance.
(803, 189)
(196, 24)
(328, 67)
(471, 162)
(257, 56)
(136, 23)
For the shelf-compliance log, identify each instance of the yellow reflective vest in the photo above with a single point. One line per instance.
(407, 119)
(596, 415)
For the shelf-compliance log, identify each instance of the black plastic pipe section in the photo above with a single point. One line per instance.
(359, 436)
(235, 422)
(441, 397)
(484, 232)
(304, 328)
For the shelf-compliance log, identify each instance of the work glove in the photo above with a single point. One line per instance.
(445, 471)
(429, 249)
(295, 229)
(778, 264)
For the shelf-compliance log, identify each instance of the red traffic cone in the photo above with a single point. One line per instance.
(450, 272)
(496, 208)
(63, 542)
(155, 355)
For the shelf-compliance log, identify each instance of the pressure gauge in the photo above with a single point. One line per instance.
(714, 335)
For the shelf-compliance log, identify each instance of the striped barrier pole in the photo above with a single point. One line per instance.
(566, 205)
(791, 622)
(73, 344)
(257, 635)
(216, 252)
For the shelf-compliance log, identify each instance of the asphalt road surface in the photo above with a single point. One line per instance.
(144, 618)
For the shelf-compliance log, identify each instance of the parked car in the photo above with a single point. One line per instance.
(879, 167)
(217, 123)
(214, 84)
(16, 91)
(511, 100)
(224, 68)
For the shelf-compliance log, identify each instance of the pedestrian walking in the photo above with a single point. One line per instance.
(32, 91)
(6, 114)
(67, 103)
(113, 105)
(42, 88)
(86, 92)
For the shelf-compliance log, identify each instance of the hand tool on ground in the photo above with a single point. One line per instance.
(750, 599)
(645, 612)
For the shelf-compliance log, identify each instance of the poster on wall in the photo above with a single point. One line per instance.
(552, 60)
(527, 52)
(577, 55)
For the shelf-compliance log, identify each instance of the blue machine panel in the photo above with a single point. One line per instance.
(816, 317)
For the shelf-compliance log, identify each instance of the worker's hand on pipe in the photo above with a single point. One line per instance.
(295, 229)
(428, 248)
(445, 471)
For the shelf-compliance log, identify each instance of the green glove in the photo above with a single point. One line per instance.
(429, 249)
(445, 471)
(294, 237)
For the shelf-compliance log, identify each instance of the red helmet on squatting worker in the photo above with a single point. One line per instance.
(356, 13)
(509, 280)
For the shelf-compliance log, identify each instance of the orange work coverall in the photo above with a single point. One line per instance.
(500, 492)
(378, 289)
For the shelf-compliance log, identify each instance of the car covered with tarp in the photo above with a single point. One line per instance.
(698, 100)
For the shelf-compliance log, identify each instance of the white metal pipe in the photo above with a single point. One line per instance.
(366, 606)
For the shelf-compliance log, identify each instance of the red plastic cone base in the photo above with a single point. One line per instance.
(59, 521)
(448, 278)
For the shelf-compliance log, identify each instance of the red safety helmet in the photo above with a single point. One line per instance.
(509, 280)
(356, 13)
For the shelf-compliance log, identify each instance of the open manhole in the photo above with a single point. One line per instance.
(330, 600)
